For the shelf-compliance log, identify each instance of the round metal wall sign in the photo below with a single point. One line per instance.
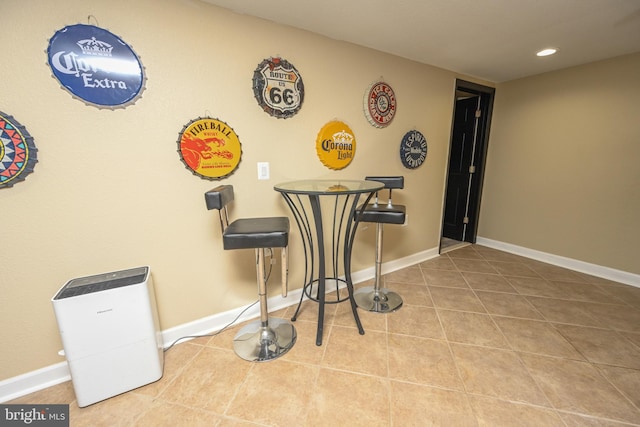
(379, 104)
(96, 66)
(278, 87)
(336, 145)
(209, 148)
(413, 149)
(18, 154)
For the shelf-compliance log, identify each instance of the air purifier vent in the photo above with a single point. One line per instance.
(102, 282)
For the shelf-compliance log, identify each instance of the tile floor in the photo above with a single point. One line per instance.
(485, 338)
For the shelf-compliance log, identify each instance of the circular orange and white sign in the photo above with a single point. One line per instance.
(336, 145)
(210, 148)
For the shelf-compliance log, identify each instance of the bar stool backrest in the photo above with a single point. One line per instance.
(390, 183)
(219, 198)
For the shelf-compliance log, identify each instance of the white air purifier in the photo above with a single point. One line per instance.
(110, 333)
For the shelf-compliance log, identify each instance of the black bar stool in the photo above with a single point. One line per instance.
(376, 298)
(265, 339)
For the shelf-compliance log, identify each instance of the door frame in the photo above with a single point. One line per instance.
(484, 125)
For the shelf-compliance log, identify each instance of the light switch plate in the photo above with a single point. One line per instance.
(263, 170)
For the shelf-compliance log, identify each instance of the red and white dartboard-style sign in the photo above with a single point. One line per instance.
(379, 104)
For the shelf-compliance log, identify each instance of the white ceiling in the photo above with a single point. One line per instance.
(495, 40)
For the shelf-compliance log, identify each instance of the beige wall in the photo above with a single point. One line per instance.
(562, 173)
(110, 192)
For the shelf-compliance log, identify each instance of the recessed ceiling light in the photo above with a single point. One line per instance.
(547, 52)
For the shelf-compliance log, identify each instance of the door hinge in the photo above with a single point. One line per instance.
(478, 114)
(465, 220)
(472, 169)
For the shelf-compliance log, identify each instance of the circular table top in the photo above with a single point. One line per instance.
(328, 186)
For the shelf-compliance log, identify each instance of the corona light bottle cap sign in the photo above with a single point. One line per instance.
(336, 145)
(209, 148)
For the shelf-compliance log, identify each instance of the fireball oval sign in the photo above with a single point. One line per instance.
(209, 148)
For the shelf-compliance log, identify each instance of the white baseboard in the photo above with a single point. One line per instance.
(21, 385)
(572, 264)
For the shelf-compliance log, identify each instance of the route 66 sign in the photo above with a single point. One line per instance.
(278, 87)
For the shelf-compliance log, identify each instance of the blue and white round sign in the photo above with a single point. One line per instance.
(413, 149)
(95, 66)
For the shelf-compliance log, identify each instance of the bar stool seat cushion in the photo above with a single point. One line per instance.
(384, 214)
(246, 233)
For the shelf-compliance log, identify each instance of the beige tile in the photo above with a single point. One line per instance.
(584, 292)
(474, 265)
(564, 311)
(513, 269)
(451, 279)
(411, 294)
(336, 401)
(281, 389)
(440, 263)
(533, 336)
(627, 294)
(412, 275)
(508, 305)
(435, 367)
(309, 311)
(455, 299)
(471, 328)
(175, 360)
(488, 282)
(624, 379)
(209, 382)
(535, 287)
(415, 320)
(348, 350)
(579, 387)
(305, 349)
(418, 405)
(553, 272)
(344, 317)
(602, 346)
(619, 317)
(497, 413)
(118, 411)
(405, 370)
(164, 414)
(496, 373)
(574, 420)
(466, 252)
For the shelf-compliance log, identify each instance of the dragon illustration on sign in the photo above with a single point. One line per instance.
(209, 148)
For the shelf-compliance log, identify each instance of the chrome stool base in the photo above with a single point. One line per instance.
(256, 342)
(380, 301)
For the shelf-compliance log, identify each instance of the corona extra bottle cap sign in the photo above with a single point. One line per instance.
(96, 66)
(278, 87)
(336, 145)
(209, 148)
(379, 104)
(413, 149)
(18, 154)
